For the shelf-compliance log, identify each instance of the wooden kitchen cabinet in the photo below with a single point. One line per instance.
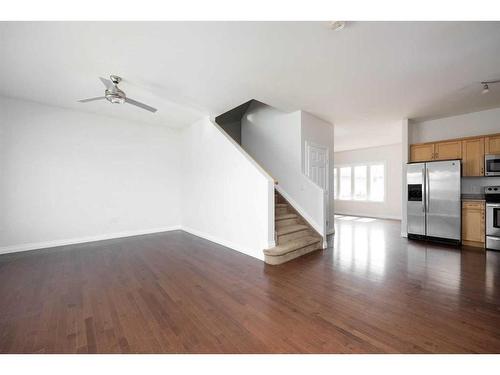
(470, 149)
(473, 157)
(473, 223)
(492, 144)
(422, 152)
(448, 150)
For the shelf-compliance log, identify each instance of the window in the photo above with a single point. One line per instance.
(360, 183)
(334, 183)
(377, 183)
(345, 183)
(365, 182)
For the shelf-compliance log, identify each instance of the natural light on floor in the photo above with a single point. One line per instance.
(355, 218)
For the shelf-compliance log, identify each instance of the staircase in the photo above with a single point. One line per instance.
(294, 236)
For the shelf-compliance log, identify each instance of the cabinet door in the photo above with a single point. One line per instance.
(492, 144)
(422, 152)
(473, 157)
(473, 223)
(448, 150)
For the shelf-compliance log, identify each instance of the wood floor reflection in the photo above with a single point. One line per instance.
(372, 292)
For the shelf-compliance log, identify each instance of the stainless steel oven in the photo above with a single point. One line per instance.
(492, 195)
(493, 219)
(492, 165)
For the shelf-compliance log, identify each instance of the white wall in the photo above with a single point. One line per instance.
(391, 156)
(69, 176)
(227, 198)
(470, 124)
(274, 139)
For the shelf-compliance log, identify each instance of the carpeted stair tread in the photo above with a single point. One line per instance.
(293, 245)
(285, 217)
(291, 229)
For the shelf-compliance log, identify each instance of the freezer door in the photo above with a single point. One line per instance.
(443, 199)
(415, 178)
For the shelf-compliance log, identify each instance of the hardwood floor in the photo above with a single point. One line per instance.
(374, 292)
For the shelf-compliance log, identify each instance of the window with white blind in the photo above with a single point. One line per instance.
(345, 183)
(335, 185)
(361, 182)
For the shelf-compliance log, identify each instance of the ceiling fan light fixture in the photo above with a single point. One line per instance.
(116, 96)
(116, 100)
(337, 25)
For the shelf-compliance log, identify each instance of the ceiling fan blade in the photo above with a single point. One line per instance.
(91, 99)
(141, 105)
(107, 83)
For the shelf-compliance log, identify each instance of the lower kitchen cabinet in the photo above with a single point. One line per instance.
(473, 223)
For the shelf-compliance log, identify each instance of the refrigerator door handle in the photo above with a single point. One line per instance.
(427, 189)
(423, 189)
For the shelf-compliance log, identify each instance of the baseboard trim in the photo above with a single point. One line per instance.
(225, 243)
(74, 241)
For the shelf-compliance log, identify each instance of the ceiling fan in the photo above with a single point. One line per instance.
(114, 95)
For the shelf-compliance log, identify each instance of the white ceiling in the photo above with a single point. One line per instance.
(364, 78)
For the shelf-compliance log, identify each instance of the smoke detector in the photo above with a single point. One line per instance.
(337, 25)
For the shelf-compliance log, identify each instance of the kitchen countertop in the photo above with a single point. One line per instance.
(479, 197)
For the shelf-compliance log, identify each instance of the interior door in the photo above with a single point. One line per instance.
(317, 171)
(443, 199)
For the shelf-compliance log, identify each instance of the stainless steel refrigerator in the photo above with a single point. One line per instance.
(433, 201)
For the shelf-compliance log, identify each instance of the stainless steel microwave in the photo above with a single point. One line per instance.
(492, 165)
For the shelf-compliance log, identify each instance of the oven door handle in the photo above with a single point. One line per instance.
(493, 205)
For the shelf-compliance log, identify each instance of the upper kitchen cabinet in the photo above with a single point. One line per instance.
(492, 144)
(473, 157)
(448, 150)
(422, 152)
(471, 150)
